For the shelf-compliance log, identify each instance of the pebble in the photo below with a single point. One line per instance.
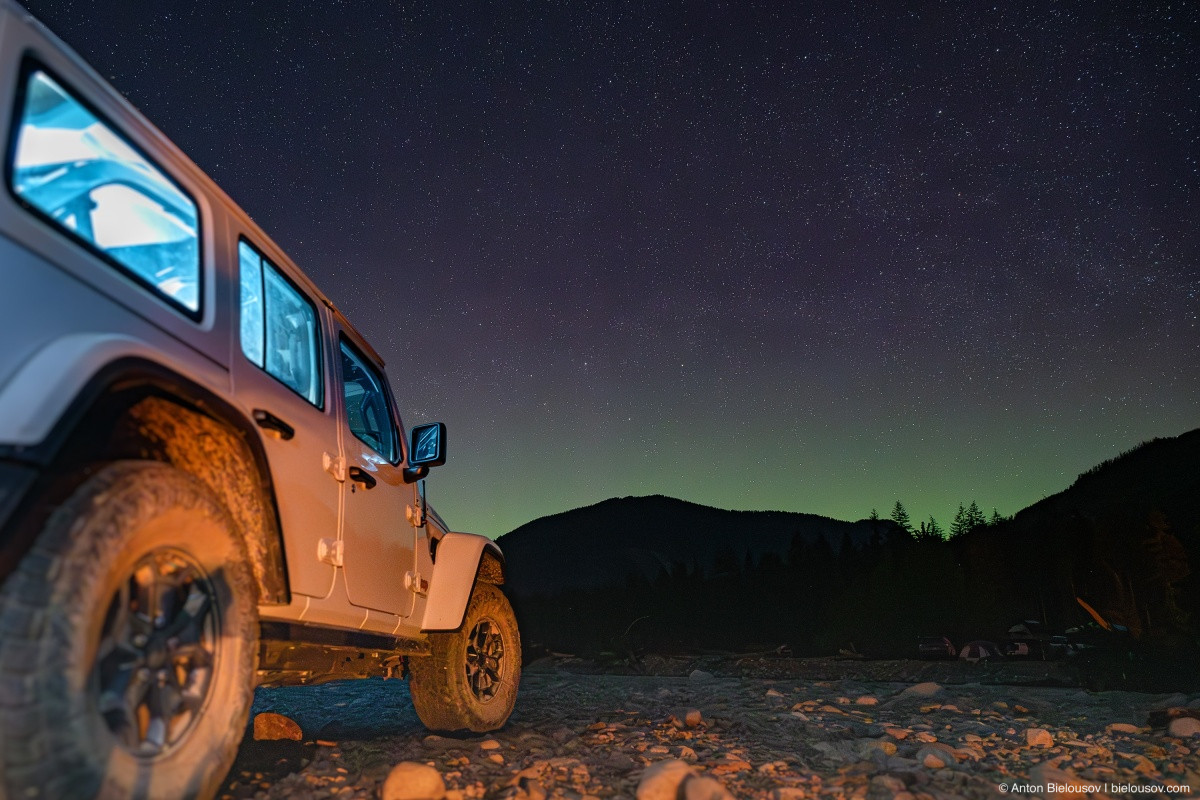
(1182, 727)
(700, 676)
(409, 780)
(698, 787)
(926, 689)
(934, 760)
(1038, 737)
(867, 747)
(788, 793)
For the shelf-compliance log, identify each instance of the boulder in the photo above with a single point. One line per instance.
(662, 780)
(409, 780)
(269, 726)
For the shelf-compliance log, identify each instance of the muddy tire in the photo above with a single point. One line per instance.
(470, 681)
(128, 643)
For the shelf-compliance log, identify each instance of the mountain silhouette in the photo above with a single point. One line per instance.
(657, 572)
(642, 537)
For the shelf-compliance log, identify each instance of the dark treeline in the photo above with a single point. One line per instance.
(1125, 538)
(878, 598)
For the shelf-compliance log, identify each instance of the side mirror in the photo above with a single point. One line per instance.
(428, 445)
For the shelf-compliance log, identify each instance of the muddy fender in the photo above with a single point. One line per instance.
(458, 557)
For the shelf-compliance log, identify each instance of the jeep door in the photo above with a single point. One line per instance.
(378, 539)
(278, 375)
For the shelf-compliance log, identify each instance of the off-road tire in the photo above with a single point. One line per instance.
(133, 531)
(443, 692)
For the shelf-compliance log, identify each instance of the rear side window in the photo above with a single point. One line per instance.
(74, 169)
(279, 329)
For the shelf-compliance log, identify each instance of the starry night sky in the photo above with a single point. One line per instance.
(802, 256)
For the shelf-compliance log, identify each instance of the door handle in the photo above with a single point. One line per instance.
(269, 422)
(360, 475)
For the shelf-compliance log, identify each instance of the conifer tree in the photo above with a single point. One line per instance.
(959, 526)
(900, 517)
(996, 518)
(975, 518)
(934, 530)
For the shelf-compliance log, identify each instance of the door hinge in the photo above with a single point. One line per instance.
(330, 551)
(415, 583)
(335, 466)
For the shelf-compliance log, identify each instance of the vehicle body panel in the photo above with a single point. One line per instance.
(77, 315)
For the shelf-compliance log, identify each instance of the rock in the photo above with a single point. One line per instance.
(1182, 727)
(728, 764)
(1038, 737)
(789, 793)
(867, 700)
(662, 780)
(623, 763)
(967, 754)
(693, 717)
(936, 755)
(1142, 764)
(702, 787)
(1123, 727)
(687, 754)
(774, 693)
(1064, 781)
(889, 784)
(409, 780)
(868, 747)
(489, 744)
(530, 789)
(926, 689)
(495, 758)
(269, 726)
(700, 676)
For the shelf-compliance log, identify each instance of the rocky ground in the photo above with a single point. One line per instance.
(785, 729)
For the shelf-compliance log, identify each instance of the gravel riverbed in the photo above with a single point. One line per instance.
(750, 732)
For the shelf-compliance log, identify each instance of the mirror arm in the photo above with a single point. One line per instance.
(414, 474)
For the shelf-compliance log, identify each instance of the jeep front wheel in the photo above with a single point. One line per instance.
(469, 682)
(129, 643)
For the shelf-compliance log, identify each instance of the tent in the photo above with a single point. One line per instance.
(978, 650)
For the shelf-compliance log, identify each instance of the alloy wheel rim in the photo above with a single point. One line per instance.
(154, 666)
(485, 659)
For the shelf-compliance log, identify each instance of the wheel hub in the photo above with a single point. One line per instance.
(154, 665)
(485, 659)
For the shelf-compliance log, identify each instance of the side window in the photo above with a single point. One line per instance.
(367, 405)
(279, 328)
(88, 180)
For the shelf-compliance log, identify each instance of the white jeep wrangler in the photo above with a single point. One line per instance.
(204, 483)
